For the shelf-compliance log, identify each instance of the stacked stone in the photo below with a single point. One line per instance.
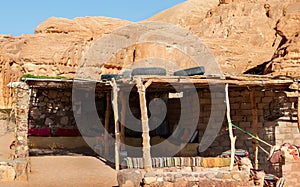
(197, 178)
(173, 177)
(14, 170)
(7, 171)
(18, 168)
(21, 112)
(51, 109)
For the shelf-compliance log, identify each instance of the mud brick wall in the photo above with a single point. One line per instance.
(291, 172)
(277, 120)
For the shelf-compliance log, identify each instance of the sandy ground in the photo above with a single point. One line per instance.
(52, 171)
(62, 170)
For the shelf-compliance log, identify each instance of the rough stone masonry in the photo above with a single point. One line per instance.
(18, 168)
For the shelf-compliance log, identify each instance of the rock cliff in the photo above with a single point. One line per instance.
(240, 34)
(55, 49)
(286, 59)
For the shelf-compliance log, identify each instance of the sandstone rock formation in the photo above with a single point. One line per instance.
(146, 44)
(240, 33)
(286, 60)
(56, 48)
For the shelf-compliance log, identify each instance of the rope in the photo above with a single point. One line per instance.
(249, 134)
(265, 151)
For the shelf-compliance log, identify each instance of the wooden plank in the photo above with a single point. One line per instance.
(106, 123)
(231, 136)
(145, 126)
(255, 127)
(116, 120)
(164, 84)
(232, 80)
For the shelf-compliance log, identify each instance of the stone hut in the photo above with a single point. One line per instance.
(261, 105)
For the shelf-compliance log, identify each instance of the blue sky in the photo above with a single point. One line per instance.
(21, 17)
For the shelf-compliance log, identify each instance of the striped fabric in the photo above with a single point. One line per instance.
(160, 162)
(269, 179)
(239, 153)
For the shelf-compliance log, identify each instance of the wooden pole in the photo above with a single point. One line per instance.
(255, 127)
(145, 126)
(298, 110)
(106, 123)
(232, 138)
(115, 90)
(123, 119)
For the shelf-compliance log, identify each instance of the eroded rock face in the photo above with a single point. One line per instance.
(240, 33)
(55, 49)
(286, 60)
(151, 44)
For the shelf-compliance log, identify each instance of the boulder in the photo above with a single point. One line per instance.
(129, 177)
(7, 173)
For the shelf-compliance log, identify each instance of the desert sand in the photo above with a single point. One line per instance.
(52, 171)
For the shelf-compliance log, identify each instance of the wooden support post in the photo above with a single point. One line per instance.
(298, 111)
(115, 90)
(255, 127)
(123, 119)
(232, 138)
(145, 126)
(106, 123)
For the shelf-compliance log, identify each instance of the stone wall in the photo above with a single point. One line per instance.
(21, 97)
(7, 171)
(51, 108)
(211, 177)
(277, 120)
(291, 172)
(187, 176)
(17, 169)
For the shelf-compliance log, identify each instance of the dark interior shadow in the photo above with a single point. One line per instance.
(258, 70)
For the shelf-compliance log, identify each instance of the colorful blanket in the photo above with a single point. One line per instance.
(160, 162)
(239, 153)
